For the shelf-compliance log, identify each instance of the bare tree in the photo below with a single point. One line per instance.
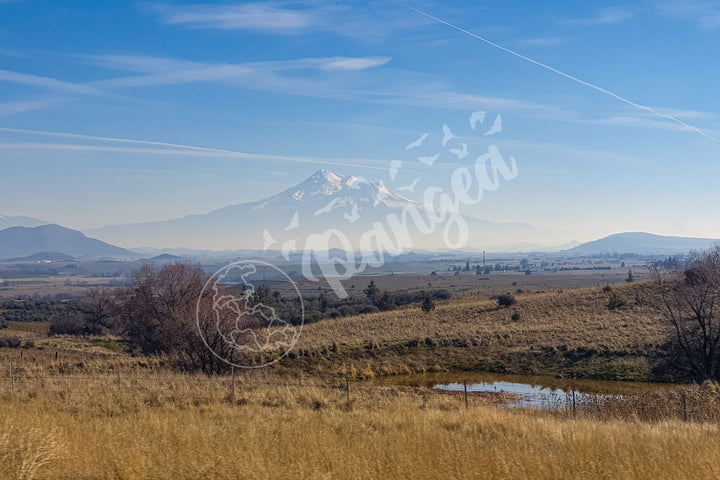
(100, 308)
(689, 299)
(168, 311)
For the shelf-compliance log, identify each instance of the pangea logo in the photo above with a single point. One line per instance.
(243, 326)
(240, 322)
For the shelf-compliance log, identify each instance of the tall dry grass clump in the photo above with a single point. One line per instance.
(272, 428)
(25, 451)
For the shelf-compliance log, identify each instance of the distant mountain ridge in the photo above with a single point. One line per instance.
(325, 201)
(20, 221)
(642, 243)
(44, 257)
(26, 242)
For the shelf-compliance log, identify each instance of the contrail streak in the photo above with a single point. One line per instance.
(566, 75)
(229, 153)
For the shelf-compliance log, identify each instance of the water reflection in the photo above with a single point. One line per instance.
(528, 396)
(530, 391)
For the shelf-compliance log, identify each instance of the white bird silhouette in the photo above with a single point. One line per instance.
(447, 134)
(496, 127)
(288, 248)
(417, 142)
(327, 208)
(461, 153)
(356, 184)
(409, 188)
(294, 223)
(353, 216)
(395, 165)
(429, 160)
(381, 193)
(269, 240)
(476, 117)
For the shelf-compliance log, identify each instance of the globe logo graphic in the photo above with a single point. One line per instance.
(236, 323)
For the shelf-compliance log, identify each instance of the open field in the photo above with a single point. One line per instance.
(560, 332)
(557, 332)
(418, 277)
(56, 279)
(50, 286)
(182, 429)
(67, 414)
(571, 333)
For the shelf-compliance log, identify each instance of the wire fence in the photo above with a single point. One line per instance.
(688, 403)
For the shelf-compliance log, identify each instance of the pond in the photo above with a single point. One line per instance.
(527, 395)
(531, 391)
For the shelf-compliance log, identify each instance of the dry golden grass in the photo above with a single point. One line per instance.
(468, 330)
(462, 331)
(187, 428)
(67, 418)
(26, 329)
(61, 355)
(572, 317)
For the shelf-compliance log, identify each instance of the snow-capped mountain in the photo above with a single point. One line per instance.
(326, 191)
(326, 200)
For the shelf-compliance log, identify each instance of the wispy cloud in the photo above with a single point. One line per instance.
(14, 107)
(605, 16)
(684, 113)
(249, 16)
(152, 71)
(398, 87)
(465, 101)
(705, 14)
(366, 21)
(139, 63)
(642, 122)
(164, 148)
(341, 63)
(580, 81)
(646, 122)
(49, 83)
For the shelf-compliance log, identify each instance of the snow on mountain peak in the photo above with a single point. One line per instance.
(321, 183)
(326, 191)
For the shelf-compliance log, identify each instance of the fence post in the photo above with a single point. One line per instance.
(117, 371)
(573, 403)
(12, 380)
(232, 368)
(684, 402)
(347, 387)
(465, 389)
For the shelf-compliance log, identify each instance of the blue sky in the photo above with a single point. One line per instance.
(272, 91)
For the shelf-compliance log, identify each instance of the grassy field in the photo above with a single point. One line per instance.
(571, 333)
(65, 416)
(467, 284)
(50, 285)
(184, 429)
(558, 332)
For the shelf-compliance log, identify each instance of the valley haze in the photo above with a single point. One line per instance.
(326, 200)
